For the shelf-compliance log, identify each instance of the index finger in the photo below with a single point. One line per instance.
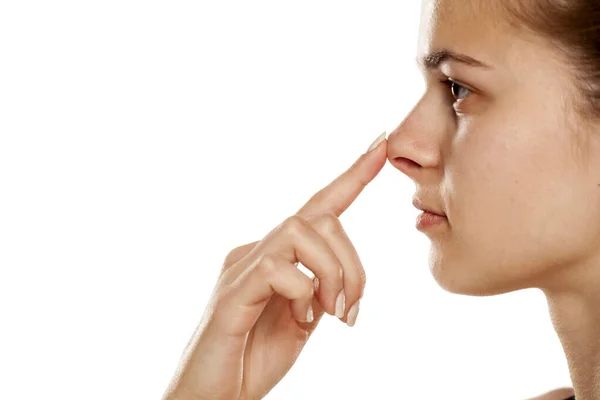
(336, 197)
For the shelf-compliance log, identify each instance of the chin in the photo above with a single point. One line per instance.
(471, 279)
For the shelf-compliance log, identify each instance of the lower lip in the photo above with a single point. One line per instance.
(427, 220)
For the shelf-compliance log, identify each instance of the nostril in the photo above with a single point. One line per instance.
(405, 164)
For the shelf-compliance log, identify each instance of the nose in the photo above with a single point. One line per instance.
(414, 147)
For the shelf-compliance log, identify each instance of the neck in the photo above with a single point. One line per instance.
(574, 305)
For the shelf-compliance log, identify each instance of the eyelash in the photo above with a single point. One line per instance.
(449, 82)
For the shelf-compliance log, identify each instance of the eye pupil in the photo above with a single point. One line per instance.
(455, 88)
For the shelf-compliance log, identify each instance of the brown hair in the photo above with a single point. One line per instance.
(573, 27)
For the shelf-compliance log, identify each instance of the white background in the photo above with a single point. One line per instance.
(140, 141)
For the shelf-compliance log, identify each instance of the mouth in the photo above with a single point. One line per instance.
(419, 204)
(430, 217)
(428, 220)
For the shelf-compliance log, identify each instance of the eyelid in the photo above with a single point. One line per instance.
(447, 81)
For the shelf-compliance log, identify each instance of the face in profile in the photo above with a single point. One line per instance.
(499, 151)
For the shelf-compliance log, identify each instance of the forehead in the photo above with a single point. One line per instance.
(465, 26)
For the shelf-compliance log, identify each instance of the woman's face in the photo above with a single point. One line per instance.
(517, 176)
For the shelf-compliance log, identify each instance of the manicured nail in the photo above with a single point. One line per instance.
(340, 304)
(352, 314)
(316, 284)
(309, 314)
(380, 139)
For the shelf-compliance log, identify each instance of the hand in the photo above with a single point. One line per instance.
(263, 309)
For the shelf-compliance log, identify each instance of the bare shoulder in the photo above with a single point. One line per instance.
(556, 394)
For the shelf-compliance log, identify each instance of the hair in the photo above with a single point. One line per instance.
(573, 26)
(573, 29)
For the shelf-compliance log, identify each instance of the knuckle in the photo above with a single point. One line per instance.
(234, 255)
(293, 225)
(267, 264)
(230, 257)
(318, 196)
(329, 224)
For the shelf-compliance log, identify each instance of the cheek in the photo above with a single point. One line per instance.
(494, 191)
(513, 201)
(494, 172)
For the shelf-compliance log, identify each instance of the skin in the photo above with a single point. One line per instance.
(259, 305)
(504, 162)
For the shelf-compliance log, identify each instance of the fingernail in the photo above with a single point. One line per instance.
(380, 139)
(352, 314)
(309, 314)
(340, 304)
(316, 284)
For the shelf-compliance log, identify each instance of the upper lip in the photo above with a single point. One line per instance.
(421, 205)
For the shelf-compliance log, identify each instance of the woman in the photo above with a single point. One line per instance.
(509, 169)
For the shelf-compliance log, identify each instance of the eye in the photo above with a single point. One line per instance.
(456, 89)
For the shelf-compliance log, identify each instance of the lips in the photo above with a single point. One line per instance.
(421, 205)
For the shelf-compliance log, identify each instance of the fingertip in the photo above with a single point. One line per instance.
(380, 139)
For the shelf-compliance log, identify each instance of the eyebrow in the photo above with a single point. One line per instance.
(434, 59)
